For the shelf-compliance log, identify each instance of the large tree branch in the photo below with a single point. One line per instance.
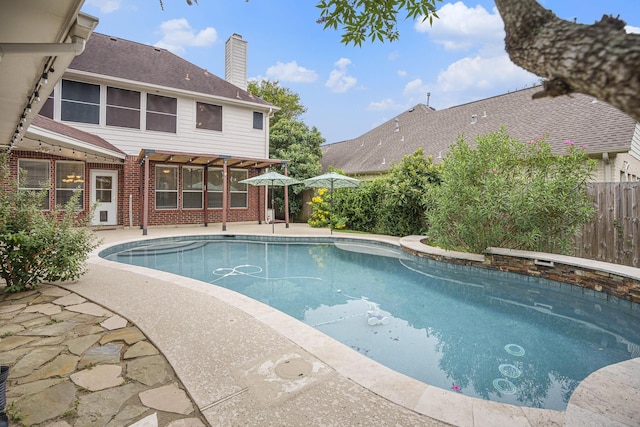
(600, 60)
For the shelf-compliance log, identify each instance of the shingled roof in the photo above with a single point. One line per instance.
(71, 132)
(115, 57)
(582, 119)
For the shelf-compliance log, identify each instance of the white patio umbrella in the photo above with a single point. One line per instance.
(331, 180)
(271, 179)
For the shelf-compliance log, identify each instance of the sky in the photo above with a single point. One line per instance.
(347, 90)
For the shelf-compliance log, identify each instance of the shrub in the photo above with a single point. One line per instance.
(322, 215)
(361, 206)
(510, 194)
(37, 246)
(405, 195)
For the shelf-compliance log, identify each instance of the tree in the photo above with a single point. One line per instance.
(600, 60)
(37, 246)
(510, 194)
(295, 142)
(284, 98)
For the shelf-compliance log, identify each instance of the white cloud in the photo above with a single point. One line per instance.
(393, 55)
(482, 73)
(416, 91)
(384, 105)
(105, 6)
(291, 72)
(339, 79)
(632, 29)
(178, 34)
(461, 27)
(402, 73)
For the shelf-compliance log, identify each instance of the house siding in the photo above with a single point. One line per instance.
(237, 138)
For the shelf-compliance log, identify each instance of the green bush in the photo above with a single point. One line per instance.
(360, 206)
(405, 195)
(37, 246)
(510, 194)
(394, 204)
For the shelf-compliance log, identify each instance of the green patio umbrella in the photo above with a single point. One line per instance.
(271, 179)
(331, 180)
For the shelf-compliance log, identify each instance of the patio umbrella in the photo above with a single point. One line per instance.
(331, 180)
(271, 179)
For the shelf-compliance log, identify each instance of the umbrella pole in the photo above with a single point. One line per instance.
(331, 210)
(273, 213)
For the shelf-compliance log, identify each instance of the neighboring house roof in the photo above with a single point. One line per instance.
(580, 118)
(110, 56)
(62, 131)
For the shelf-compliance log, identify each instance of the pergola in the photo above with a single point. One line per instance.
(147, 156)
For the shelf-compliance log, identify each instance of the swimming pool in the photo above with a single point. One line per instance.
(482, 333)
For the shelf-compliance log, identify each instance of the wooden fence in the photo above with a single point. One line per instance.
(614, 235)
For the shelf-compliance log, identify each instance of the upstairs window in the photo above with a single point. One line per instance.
(258, 120)
(34, 176)
(80, 102)
(123, 108)
(161, 113)
(208, 116)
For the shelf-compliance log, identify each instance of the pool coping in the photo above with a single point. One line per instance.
(443, 405)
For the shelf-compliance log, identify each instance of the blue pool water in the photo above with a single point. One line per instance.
(493, 335)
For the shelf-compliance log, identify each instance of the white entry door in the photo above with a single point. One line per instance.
(104, 191)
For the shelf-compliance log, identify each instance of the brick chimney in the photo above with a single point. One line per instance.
(235, 61)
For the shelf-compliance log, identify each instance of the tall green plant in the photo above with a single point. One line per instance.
(37, 246)
(405, 200)
(510, 194)
(360, 207)
(394, 204)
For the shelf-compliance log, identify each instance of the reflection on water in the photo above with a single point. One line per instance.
(488, 334)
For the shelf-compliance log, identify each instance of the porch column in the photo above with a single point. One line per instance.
(225, 197)
(205, 183)
(286, 198)
(145, 201)
(260, 212)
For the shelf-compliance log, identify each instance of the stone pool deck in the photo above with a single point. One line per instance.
(129, 346)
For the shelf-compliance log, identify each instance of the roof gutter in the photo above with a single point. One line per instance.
(48, 49)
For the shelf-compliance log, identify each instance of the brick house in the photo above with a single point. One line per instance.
(150, 138)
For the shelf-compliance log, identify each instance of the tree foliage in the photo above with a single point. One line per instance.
(405, 198)
(371, 19)
(394, 204)
(295, 142)
(37, 246)
(510, 194)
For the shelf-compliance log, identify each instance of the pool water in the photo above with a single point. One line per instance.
(493, 335)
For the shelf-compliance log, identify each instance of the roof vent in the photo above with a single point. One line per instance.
(474, 118)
